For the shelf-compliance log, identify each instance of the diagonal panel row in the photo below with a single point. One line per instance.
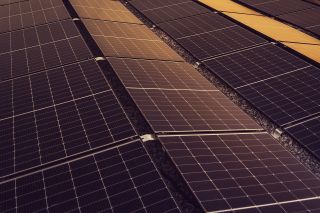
(24, 14)
(42, 47)
(252, 172)
(58, 113)
(122, 179)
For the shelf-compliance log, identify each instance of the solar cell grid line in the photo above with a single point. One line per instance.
(229, 172)
(280, 7)
(153, 4)
(119, 30)
(176, 11)
(287, 98)
(136, 73)
(211, 44)
(105, 10)
(122, 179)
(194, 25)
(42, 47)
(190, 111)
(30, 13)
(307, 134)
(67, 112)
(255, 64)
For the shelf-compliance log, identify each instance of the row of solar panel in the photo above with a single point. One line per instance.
(302, 14)
(188, 104)
(57, 104)
(279, 84)
(225, 172)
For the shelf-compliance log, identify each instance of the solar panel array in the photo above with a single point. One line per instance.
(278, 83)
(66, 143)
(300, 13)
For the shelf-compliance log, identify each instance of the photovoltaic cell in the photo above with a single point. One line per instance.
(104, 10)
(286, 98)
(58, 113)
(122, 179)
(159, 74)
(280, 7)
(30, 13)
(174, 11)
(195, 25)
(230, 172)
(120, 40)
(210, 44)
(184, 110)
(42, 47)
(254, 65)
(307, 134)
(152, 4)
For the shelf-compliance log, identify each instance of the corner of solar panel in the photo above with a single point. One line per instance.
(117, 114)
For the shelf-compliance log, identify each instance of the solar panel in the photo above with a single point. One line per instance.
(122, 179)
(242, 172)
(104, 10)
(254, 65)
(190, 110)
(130, 41)
(306, 19)
(58, 113)
(42, 47)
(152, 4)
(280, 7)
(30, 13)
(159, 74)
(286, 98)
(121, 30)
(174, 11)
(195, 25)
(207, 45)
(307, 134)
